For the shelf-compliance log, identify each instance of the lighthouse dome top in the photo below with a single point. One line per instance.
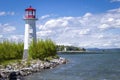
(30, 13)
(30, 9)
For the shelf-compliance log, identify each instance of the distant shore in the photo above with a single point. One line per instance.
(80, 52)
(71, 51)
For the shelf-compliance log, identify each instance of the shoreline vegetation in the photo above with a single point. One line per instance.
(62, 48)
(42, 55)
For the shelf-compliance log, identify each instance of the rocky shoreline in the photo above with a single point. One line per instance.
(25, 67)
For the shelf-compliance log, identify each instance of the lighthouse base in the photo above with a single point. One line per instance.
(25, 54)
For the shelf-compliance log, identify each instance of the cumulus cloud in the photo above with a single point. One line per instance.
(3, 13)
(5, 31)
(9, 29)
(6, 28)
(89, 30)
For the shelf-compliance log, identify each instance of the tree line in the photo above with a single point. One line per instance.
(69, 48)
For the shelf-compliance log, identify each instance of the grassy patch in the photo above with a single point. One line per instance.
(7, 62)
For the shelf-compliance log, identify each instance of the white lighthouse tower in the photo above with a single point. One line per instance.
(30, 29)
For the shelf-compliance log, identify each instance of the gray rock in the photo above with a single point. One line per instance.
(25, 69)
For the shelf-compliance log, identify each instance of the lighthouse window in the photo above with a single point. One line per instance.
(26, 13)
(30, 31)
(30, 12)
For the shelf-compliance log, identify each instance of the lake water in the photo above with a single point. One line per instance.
(83, 67)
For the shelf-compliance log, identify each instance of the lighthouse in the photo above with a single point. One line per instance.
(30, 29)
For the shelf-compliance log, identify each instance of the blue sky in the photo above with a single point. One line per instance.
(83, 23)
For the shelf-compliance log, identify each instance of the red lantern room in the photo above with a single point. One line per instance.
(30, 13)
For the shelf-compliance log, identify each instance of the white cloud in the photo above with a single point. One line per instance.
(87, 15)
(89, 30)
(117, 10)
(104, 26)
(44, 33)
(11, 13)
(45, 16)
(6, 28)
(16, 38)
(115, 0)
(60, 22)
(9, 29)
(3, 13)
(1, 36)
(84, 32)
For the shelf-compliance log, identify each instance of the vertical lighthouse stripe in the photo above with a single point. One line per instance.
(26, 38)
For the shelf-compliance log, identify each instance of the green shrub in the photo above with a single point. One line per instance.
(10, 50)
(42, 49)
